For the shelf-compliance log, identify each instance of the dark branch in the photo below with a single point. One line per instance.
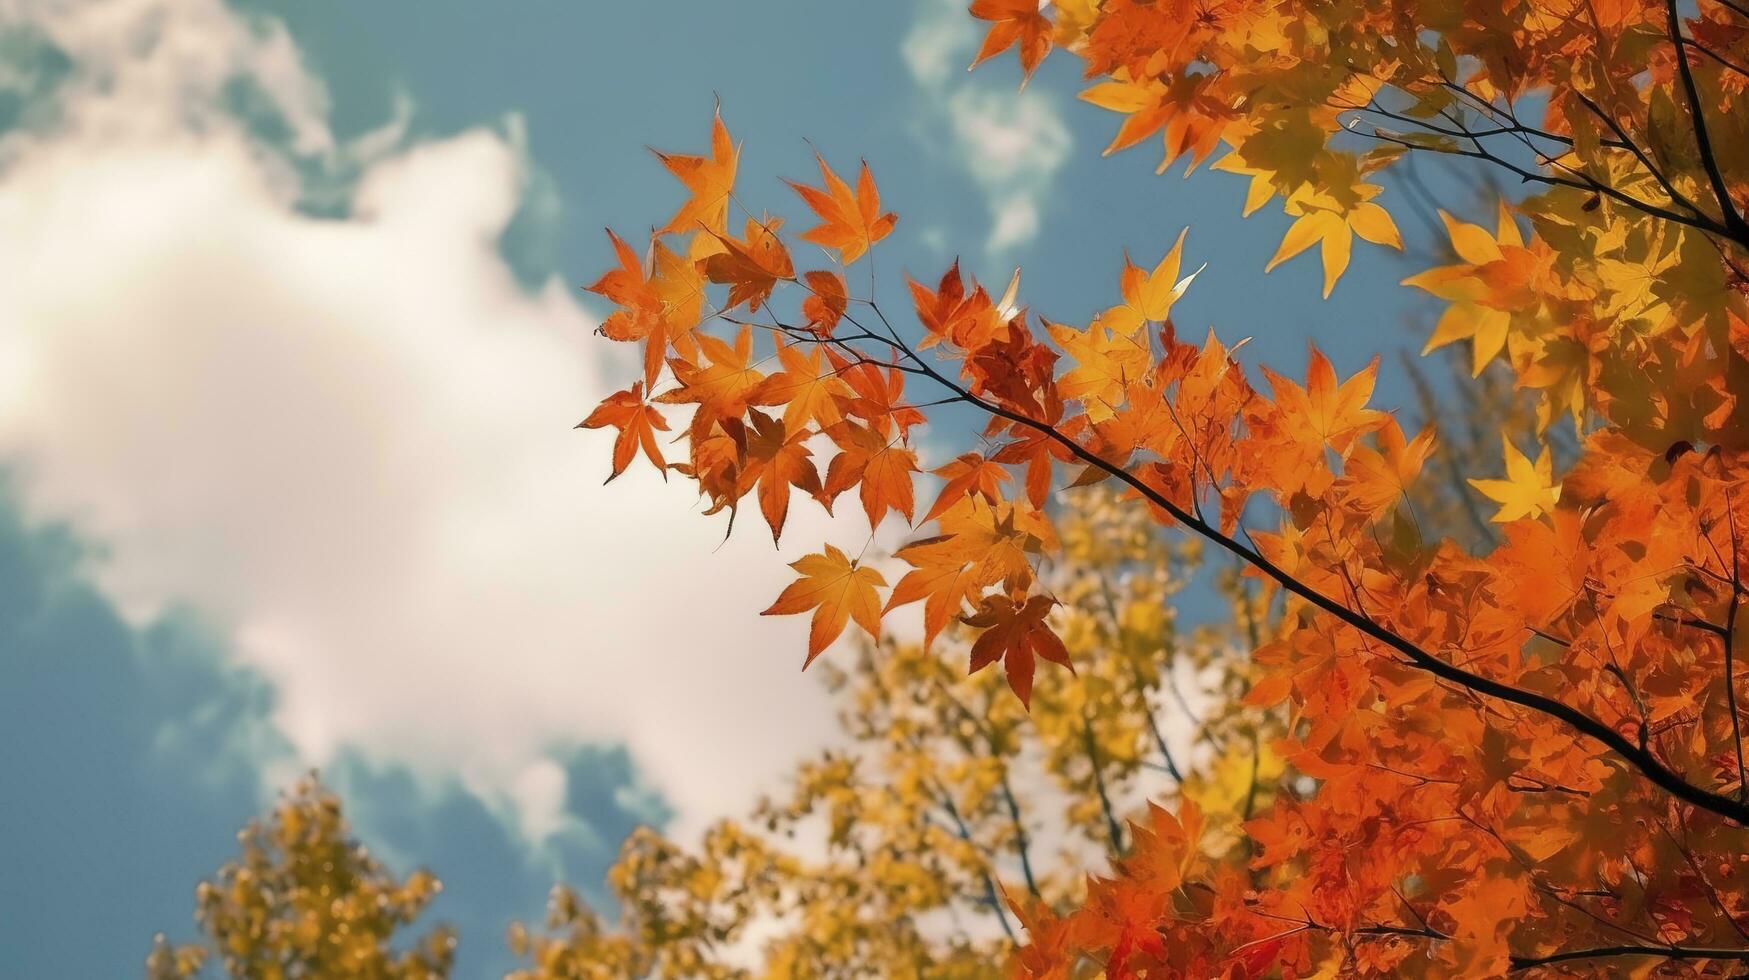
(1631, 949)
(1734, 224)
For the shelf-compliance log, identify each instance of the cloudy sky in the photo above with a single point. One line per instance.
(291, 345)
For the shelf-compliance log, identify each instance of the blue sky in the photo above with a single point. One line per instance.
(290, 351)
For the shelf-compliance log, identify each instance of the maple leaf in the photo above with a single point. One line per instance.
(1048, 953)
(1014, 22)
(851, 221)
(1003, 536)
(1148, 296)
(1542, 566)
(947, 572)
(658, 307)
(808, 392)
(1121, 916)
(711, 180)
(967, 320)
(880, 466)
(751, 265)
(1529, 489)
(1018, 372)
(1375, 479)
(1335, 414)
(776, 460)
(1486, 913)
(1495, 279)
(826, 302)
(838, 590)
(1106, 363)
(721, 386)
(1016, 633)
(1163, 850)
(1193, 121)
(876, 396)
(970, 474)
(629, 287)
(637, 421)
(982, 543)
(1325, 222)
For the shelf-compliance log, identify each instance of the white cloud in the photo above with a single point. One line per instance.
(939, 43)
(1012, 144)
(539, 792)
(350, 439)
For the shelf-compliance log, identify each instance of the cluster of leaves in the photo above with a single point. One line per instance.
(1522, 750)
(1619, 109)
(306, 900)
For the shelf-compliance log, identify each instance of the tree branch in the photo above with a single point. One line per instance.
(1113, 829)
(1734, 223)
(1631, 949)
(992, 895)
(1583, 181)
(1022, 842)
(1729, 637)
(1609, 120)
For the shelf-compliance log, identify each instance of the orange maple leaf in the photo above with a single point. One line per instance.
(837, 590)
(851, 221)
(880, 465)
(970, 474)
(776, 460)
(1335, 414)
(1121, 916)
(877, 395)
(826, 302)
(981, 543)
(751, 265)
(1048, 953)
(637, 422)
(1014, 22)
(1148, 296)
(721, 385)
(711, 180)
(658, 307)
(808, 393)
(1375, 479)
(967, 320)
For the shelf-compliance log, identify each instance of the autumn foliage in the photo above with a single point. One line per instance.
(1519, 749)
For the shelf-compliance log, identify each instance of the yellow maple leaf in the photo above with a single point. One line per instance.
(1323, 221)
(1483, 289)
(1148, 296)
(1105, 362)
(1529, 489)
(837, 590)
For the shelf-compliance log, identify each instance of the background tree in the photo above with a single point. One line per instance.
(1513, 749)
(305, 900)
